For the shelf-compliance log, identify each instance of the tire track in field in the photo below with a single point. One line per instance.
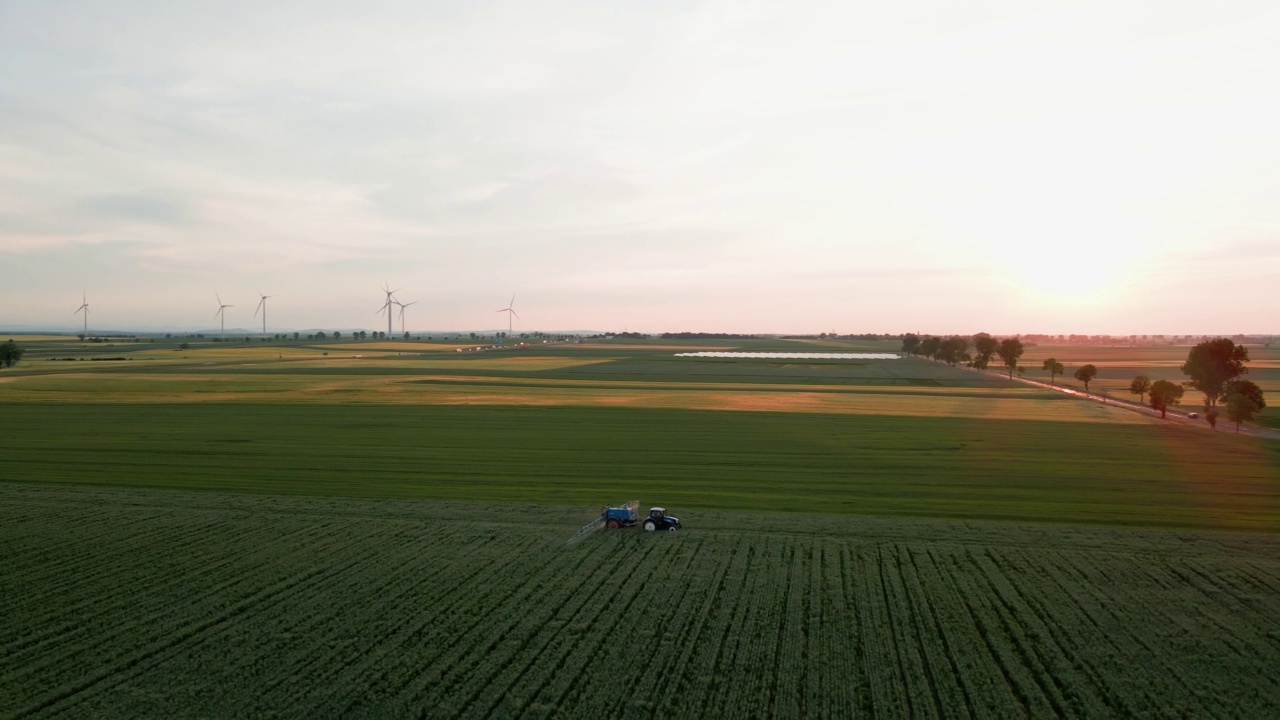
(675, 673)
(928, 624)
(1032, 653)
(516, 634)
(305, 659)
(1054, 641)
(636, 590)
(674, 610)
(406, 633)
(695, 708)
(1030, 698)
(136, 661)
(75, 579)
(880, 653)
(128, 603)
(910, 644)
(103, 678)
(1106, 604)
(411, 691)
(1088, 631)
(607, 573)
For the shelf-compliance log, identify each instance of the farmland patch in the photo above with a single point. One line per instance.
(163, 604)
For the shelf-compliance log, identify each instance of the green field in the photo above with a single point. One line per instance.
(370, 529)
(160, 604)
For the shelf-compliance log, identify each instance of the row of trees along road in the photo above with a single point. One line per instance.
(955, 350)
(1214, 368)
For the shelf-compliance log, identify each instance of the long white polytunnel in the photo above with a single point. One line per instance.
(794, 356)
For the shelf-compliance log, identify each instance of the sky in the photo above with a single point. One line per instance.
(867, 166)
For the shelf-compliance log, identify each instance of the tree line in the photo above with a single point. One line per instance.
(1213, 367)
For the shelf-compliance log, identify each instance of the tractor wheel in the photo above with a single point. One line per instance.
(650, 526)
(672, 528)
(613, 524)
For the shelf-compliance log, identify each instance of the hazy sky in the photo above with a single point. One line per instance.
(797, 167)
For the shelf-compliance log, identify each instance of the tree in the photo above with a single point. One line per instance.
(184, 346)
(321, 336)
(1212, 364)
(10, 353)
(1054, 367)
(910, 342)
(337, 334)
(984, 346)
(930, 346)
(1140, 386)
(1244, 401)
(952, 350)
(1085, 374)
(1241, 408)
(1009, 351)
(1163, 394)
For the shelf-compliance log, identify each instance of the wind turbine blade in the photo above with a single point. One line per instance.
(513, 300)
(502, 310)
(219, 299)
(513, 312)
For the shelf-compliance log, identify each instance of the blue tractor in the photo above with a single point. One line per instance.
(627, 515)
(659, 520)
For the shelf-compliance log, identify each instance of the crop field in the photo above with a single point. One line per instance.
(569, 424)
(136, 603)
(282, 529)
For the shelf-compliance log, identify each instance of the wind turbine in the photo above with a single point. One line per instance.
(386, 306)
(402, 307)
(510, 310)
(221, 308)
(84, 306)
(262, 305)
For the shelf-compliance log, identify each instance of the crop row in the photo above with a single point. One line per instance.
(349, 608)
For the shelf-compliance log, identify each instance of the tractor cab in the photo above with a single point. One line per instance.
(659, 520)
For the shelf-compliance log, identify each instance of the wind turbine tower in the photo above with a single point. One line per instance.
(402, 307)
(262, 305)
(386, 305)
(222, 307)
(510, 310)
(84, 307)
